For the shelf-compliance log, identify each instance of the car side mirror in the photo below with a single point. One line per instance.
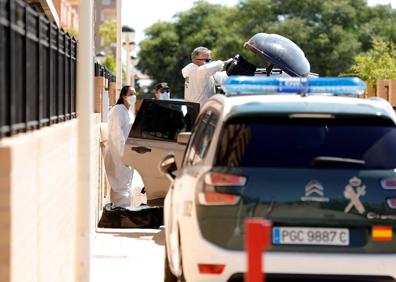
(168, 166)
(183, 137)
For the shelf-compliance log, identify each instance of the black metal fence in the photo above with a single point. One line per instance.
(37, 70)
(101, 70)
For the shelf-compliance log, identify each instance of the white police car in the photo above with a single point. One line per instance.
(305, 154)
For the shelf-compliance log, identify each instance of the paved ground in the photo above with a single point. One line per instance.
(128, 255)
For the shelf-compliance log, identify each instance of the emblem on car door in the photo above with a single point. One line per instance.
(314, 192)
(353, 191)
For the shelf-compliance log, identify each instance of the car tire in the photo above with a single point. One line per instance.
(168, 275)
(181, 278)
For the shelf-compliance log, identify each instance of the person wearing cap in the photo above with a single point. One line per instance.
(201, 76)
(121, 118)
(162, 91)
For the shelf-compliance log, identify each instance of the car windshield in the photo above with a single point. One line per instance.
(308, 143)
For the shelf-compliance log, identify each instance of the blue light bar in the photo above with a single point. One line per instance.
(299, 85)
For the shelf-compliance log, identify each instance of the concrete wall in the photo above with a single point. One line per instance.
(38, 186)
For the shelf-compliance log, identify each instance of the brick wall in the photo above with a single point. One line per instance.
(384, 88)
(38, 186)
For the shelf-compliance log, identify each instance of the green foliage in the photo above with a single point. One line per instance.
(156, 55)
(379, 23)
(331, 34)
(377, 63)
(108, 31)
(168, 46)
(110, 63)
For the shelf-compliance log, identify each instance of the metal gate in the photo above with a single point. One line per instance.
(37, 70)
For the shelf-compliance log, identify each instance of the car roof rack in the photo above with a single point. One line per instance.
(268, 72)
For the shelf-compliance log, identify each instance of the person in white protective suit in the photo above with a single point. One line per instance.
(121, 118)
(202, 75)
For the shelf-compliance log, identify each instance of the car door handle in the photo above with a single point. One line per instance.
(141, 150)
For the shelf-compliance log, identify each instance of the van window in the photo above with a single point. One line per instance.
(163, 120)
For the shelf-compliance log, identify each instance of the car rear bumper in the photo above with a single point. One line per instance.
(352, 267)
(276, 277)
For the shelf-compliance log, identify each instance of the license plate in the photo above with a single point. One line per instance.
(310, 236)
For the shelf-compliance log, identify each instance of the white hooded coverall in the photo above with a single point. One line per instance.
(200, 81)
(119, 175)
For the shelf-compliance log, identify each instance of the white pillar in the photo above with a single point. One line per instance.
(118, 53)
(133, 64)
(84, 201)
(128, 62)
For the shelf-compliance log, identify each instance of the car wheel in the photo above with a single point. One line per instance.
(181, 278)
(168, 275)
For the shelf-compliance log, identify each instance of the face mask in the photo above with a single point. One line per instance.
(131, 100)
(165, 96)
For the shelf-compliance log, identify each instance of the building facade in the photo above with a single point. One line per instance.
(104, 10)
(68, 14)
(63, 12)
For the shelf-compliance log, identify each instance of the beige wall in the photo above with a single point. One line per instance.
(38, 180)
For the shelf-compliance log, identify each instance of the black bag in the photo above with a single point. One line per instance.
(240, 66)
(144, 217)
